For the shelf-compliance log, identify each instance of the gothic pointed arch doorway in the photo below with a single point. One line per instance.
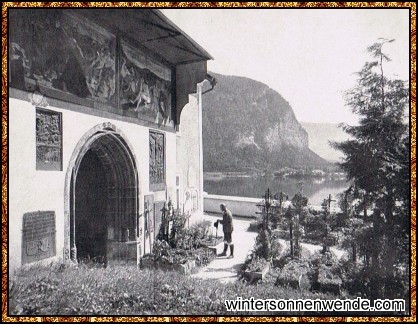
(102, 214)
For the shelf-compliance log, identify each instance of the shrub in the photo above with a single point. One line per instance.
(255, 264)
(326, 272)
(202, 229)
(255, 225)
(193, 237)
(294, 274)
(263, 245)
(329, 259)
(183, 239)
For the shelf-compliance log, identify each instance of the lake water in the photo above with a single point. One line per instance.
(315, 189)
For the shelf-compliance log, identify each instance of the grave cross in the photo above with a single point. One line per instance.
(266, 205)
(329, 200)
(300, 183)
(327, 205)
(281, 196)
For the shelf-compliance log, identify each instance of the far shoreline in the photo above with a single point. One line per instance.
(296, 174)
(226, 174)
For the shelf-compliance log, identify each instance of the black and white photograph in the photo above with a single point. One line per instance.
(209, 161)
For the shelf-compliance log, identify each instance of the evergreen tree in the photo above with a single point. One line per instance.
(377, 163)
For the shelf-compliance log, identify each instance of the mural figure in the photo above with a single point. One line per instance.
(145, 87)
(18, 66)
(95, 52)
(64, 52)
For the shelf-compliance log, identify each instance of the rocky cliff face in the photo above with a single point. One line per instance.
(247, 125)
(286, 131)
(320, 135)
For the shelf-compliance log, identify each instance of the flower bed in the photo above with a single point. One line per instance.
(184, 268)
(258, 274)
(328, 281)
(295, 275)
(256, 268)
(184, 249)
(202, 256)
(212, 244)
(181, 260)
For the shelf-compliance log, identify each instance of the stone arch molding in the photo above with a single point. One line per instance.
(84, 144)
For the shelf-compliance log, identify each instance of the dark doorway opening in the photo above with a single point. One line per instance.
(104, 202)
(90, 208)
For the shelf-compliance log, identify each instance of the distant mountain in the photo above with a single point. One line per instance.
(247, 125)
(320, 134)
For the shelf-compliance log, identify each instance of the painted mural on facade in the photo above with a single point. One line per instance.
(95, 52)
(145, 86)
(63, 52)
(69, 54)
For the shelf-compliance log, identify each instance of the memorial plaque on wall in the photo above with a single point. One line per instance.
(48, 140)
(145, 87)
(38, 237)
(156, 161)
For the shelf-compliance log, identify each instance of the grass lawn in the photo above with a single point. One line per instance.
(86, 290)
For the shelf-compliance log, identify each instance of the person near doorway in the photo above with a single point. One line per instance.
(227, 226)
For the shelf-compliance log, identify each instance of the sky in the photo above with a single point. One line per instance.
(308, 55)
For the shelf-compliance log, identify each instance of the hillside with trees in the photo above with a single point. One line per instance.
(249, 126)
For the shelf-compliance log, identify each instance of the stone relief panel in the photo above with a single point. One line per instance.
(38, 239)
(157, 161)
(48, 140)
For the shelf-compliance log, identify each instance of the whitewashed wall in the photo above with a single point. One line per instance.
(31, 190)
(188, 149)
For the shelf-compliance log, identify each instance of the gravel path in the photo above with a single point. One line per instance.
(225, 269)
